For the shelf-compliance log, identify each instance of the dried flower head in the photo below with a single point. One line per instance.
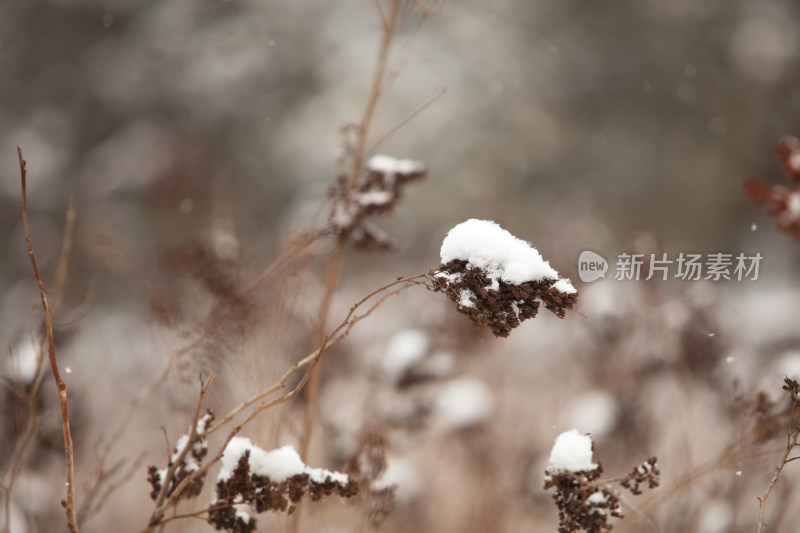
(781, 201)
(253, 479)
(498, 280)
(374, 192)
(585, 501)
(198, 448)
(792, 387)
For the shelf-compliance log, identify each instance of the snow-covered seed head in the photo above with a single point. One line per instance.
(498, 280)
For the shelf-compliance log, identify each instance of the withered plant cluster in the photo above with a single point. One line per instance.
(586, 502)
(186, 458)
(369, 465)
(245, 487)
(792, 387)
(781, 201)
(584, 499)
(503, 308)
(373, 192)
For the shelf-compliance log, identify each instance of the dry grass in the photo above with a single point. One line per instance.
(439, 426)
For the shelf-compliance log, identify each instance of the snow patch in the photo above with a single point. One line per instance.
(564, 285)
(390, 165)
(464, 403)
(404, 350)
(485, 245)
(467, 298)
(402, 474)
(594, 412)
(278, 465)
(572, 452)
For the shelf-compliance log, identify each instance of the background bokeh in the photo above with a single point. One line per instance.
(612, 127)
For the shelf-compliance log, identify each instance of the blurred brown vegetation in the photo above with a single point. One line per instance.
(199, 138)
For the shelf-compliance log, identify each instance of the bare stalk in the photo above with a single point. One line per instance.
(310, 361)
(388, 26)
(69, 503)
(162, 500)
(30, 397)
(791, 443)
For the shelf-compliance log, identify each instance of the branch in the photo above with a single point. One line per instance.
(30, 396)
(163, 500)
(69, 503)
(791, 442)
(310, 361)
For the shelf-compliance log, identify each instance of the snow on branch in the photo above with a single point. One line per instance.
(498, 280)
(374, 192)
(253, 479)
(584, 500)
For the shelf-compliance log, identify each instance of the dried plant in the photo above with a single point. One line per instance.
(792, 387)
(197, 445)
(255, 480)
(374, 192)
(781, 201)
(69, 457)
(585, 501)
(497, 280)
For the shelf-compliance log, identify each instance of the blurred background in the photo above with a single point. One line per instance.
(615, 127)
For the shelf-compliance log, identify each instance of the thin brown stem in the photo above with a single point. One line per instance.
(69, 503)
(30, 396)
(389, 23)
(337, 334)
(427, 102)
(164, 500)
(791, 443)
(311, 360)
(388, 26)
(295, 250)
(334, 266)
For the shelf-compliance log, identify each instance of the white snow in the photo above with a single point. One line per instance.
(463, 403)
(794, 161)
(716, 516)
(24, 361)
(375, 197)
(565, 286)
(572, 452)
(389, 165)
(202, 423)
(793, 203)
(485, 245)
(243, 512)
(597, 498)
(278, 465)
(467, 298)
(451, 278)
(404, 349)
(594, 412)
(403, 475)
(189, 460)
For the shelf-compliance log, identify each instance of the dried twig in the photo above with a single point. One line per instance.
(102, 475)
(389, 21)
(310, 361)
(69, 503)
(165, 499)
(30, 397)
(791, 443)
